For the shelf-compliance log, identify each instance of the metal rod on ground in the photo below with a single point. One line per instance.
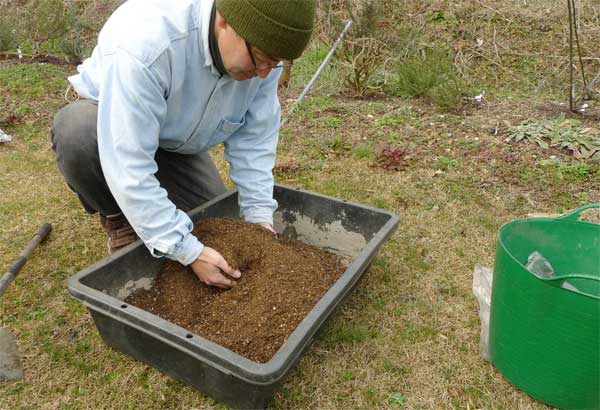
(16, 267)
(10, 363)
(317, 73)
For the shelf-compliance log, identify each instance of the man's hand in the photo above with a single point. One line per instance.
(209, 268)
(267, 226)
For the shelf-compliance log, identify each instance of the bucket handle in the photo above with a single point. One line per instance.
(559, 280)
(571, 276)
(574, 215)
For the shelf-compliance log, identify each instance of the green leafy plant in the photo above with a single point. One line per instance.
(391, 120)
(573, 172)
(584, 143)
(338, 144)
(528, 131)
(445, 163)
(396, 398)
(578, 170)
(332, 122)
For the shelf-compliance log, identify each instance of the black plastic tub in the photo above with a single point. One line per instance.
(354, 231)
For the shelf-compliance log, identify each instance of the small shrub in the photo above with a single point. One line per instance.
(7, 34)
(95, 14)
(433, 76)
(416, 77)
(364, 56)
(362, 151)
(47, 19)
(392, 158)
(365, 46)
(72, 51)
(449, 95)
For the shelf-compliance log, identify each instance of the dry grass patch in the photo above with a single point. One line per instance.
(407, 338)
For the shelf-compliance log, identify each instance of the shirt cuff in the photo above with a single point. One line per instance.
(188, 250)
(258, 215)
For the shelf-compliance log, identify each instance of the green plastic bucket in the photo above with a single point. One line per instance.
(545, 338)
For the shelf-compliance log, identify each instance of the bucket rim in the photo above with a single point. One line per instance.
(570, 219)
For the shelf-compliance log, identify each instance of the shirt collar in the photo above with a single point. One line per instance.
(205, 10)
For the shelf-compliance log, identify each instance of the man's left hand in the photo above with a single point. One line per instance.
(267, 226)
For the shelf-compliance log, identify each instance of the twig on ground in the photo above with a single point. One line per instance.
(35, 58)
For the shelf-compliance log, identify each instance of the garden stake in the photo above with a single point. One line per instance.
(316, 74)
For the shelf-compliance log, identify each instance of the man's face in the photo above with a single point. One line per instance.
(238, 56)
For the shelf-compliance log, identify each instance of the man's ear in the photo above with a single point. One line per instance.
(220, 22)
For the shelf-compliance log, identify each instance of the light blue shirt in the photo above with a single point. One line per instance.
(156, 86)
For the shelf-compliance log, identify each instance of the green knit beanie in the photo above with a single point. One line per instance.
(280, 28)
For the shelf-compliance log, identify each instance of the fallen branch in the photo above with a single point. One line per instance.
(514, 53)
(36, 58)
(588, 90)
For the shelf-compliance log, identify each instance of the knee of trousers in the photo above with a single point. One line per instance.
(74, 136)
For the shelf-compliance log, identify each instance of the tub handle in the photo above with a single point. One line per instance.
(558, 282)
(574, 215)
(571, 276)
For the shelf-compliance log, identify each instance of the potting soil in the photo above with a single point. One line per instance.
(282, 280)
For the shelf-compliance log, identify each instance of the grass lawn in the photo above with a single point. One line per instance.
(407, 338)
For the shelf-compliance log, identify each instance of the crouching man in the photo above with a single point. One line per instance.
(167, 81)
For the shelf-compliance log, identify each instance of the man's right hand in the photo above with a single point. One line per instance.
(209, 268)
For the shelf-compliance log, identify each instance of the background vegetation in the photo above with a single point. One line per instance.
(451, 114)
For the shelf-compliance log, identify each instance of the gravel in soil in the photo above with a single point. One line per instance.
(282, 280)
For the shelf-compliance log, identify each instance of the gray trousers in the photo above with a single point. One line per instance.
(190, 180)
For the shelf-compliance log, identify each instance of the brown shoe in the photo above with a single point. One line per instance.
(120, 233)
